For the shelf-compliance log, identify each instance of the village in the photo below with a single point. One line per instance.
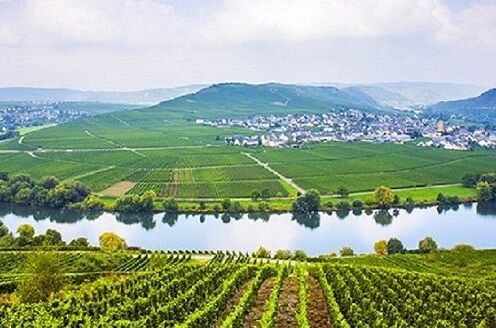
(354, 126)
(22, 114)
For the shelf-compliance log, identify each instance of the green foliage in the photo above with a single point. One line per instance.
(112, 242)
(282, 254)
(347, 251)
(134, 203)
(384, 196)
(381, 247)
(42, 278)
(309, 202)
(427, 245)
(394, 246)
(261, 252)
(342, 191)
(171, 205)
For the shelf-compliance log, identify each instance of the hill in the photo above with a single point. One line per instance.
(481, 108)
(241, 99)
(404, 95)
(142, 97)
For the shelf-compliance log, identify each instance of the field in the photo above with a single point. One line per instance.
(205, 289)
(157, 150)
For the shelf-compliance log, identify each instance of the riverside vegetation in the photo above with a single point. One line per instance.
(114, 286)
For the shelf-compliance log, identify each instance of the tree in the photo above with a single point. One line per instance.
(53, 238)
(42, 277)
(26, 231)
(171, 206)
(357, 204)
(261, 252)
(283, 254)
(461, 248)
(347, 251)
(343, 191)
(226, 204)
(265, 194)
(79, 242)
(49, 182)
(309, 202)
(485, 191)
(255, 195)
(380, 247)
(470, 179)
(394, 246)
(300, 255)
(384, 196)
(111, 241)
(427, 245)
(441, 198)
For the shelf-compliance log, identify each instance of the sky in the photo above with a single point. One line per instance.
(140, 44)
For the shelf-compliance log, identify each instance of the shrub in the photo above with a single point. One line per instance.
(394, 246)
(347, 251)
(427, 245)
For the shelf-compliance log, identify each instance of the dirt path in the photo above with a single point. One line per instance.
(279, 175)
(231, 304)
(288, 304)
(318, 314)
(253, 317)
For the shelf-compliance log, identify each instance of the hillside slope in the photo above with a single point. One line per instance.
(481, 108)
(240, 99)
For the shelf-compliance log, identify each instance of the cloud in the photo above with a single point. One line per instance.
(150, 43)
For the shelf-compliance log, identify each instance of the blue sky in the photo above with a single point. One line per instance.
(137, 44)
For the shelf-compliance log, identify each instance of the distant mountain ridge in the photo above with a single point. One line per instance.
(404, 95)
(142, 97)
(242, 99)
(481, 108)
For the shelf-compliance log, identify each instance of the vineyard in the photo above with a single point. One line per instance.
(205, 289)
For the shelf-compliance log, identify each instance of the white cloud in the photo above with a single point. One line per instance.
(151, 43)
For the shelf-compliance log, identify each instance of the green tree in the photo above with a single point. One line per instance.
(300, 255)
(171, 206)
(111, 241)
(484, 191)
(226, 204)
(343, 191)
(470, 179)
(53, 238)
(347, 251)
(255, 195)
(427, 245)
(261, 252)
(49, 182)
(80, 242)
(384, 196)
(309, 202)
(394, 246)
(265, 194)
(26, 231)
(380, 247)
(283, 254)
(42, 277)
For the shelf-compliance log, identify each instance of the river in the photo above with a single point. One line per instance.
(320, 233)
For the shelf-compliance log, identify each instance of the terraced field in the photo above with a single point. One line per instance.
(230, 290)
(175, 157)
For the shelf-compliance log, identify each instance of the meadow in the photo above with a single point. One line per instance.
(154, 149)
(227, 289)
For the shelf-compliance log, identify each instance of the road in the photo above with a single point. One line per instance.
(279, 175)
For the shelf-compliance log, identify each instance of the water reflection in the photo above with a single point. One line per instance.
(316, 233)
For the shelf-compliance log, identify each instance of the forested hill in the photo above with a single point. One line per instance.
(481, 108)
(240, 99)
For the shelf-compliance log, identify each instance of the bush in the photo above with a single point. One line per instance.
(43, 277)
(226, 204)
(461, 248)
(343, 206)
(380, 247)
(300, 255)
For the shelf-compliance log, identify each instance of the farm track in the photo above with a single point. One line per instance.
(231, 304)
(318, 314)
(257, 310)
(279, 175)
(288, 304)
